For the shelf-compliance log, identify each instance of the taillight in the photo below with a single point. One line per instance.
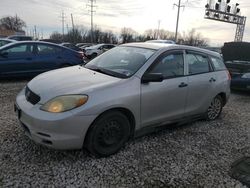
(229, 75)
(80, 55)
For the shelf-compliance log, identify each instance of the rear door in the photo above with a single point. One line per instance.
(165, 101)
(18, 60)
(48, 57)
(201, 82)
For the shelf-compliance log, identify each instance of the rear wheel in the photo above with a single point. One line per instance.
(215, 108)
(108, 134)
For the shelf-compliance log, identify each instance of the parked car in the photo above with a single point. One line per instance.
(71, 46)
(130, 90)
(84, 44)
(83, 47)
(240, 72)
(161, 41)
(237, 60)
(32, 58)
(5, 41)
(20, 37)
(93, 51)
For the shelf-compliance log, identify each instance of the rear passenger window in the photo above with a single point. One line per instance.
(218, 64)
(197, 63)
(46, 49)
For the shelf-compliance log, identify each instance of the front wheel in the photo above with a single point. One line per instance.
(108, 134)
(215, 108)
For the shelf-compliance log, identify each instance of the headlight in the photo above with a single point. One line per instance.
(246, 75)
(64, 103)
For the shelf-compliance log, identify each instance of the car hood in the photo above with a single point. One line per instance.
(71, 80)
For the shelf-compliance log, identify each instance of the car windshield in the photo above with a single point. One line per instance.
(121, 61)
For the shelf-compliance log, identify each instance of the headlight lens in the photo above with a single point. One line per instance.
(246, 75)
(64, 103)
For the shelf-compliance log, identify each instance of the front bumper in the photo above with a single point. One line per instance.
(60, 131)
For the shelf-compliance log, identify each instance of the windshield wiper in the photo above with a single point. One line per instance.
(105, 71)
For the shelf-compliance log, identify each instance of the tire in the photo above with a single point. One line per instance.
(94, 55)
(108, 134)
(215, 108)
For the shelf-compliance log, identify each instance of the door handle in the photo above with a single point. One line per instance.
(183, 84)
(212, 80)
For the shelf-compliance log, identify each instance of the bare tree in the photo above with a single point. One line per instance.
(193, 39)
(56, 36)
(158, 34)
(12, 23)
(127, 35)
(74, 35)
(151, 34)
(108, 37)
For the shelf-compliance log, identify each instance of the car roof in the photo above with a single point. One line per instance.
(19, 36)
(36, 42)
(161, 41)
(5, 39)
(160, 46)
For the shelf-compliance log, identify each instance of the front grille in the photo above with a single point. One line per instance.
(31, 96)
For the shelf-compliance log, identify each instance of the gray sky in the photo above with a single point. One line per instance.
(113, 15)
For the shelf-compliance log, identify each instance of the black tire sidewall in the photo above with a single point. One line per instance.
(92, 138)
(94, 55)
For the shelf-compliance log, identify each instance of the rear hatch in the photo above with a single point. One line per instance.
(237, 57)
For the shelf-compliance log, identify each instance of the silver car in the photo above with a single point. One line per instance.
(128, 91)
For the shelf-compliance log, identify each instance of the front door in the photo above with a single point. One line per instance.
(17, 60)
(163, 102)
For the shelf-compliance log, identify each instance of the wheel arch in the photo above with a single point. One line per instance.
(122, 110)
(224, 97)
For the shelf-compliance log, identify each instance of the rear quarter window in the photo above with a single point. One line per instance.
(218, 63)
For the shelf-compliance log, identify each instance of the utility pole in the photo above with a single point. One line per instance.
(67, 26)
(72, 21)
(35, 33)
(177, 21)
(63, 21)
(91, 5)
(42, 33)
(158, 30)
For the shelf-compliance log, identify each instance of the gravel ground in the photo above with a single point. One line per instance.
(194, 155)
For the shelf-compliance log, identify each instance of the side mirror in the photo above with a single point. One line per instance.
(152, 77)
(4, 54)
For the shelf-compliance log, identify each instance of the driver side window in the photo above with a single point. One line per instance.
(170, 65)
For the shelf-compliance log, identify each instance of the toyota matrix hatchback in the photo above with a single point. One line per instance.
(129, 90)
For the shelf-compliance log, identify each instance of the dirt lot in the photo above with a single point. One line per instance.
(195, 155)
